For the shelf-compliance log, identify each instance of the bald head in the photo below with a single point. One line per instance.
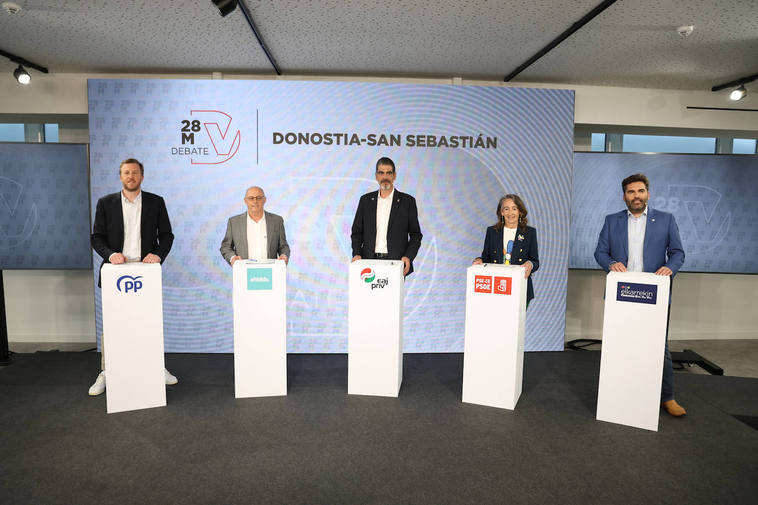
(255, 199)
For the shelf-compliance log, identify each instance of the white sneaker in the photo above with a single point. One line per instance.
(170, 379)
(98, 387)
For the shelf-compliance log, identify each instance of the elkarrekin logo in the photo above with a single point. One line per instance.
(207, 137)
(638, 293)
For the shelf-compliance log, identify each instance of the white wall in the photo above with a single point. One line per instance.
(57, 306)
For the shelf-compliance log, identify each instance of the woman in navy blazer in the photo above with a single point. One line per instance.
(511, 213)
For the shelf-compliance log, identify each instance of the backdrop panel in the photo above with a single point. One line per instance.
(44, 211)
(713, 197)
(312, 146)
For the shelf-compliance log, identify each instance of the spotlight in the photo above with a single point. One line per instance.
(21, 75)
(225, 7)
(738, 94)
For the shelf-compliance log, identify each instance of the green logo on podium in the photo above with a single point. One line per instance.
(259, 279)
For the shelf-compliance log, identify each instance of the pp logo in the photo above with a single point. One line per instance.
(367, 275)
(129, 283)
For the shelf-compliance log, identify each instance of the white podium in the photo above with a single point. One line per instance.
(375, 327)
(493, 355)
(132, 295)
(260, 328)
(634, 337)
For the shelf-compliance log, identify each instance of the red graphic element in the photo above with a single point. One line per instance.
(482, 284)
(503, 285)
(235, 144)
(365, 271)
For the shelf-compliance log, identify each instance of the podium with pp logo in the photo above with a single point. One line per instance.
(260, 328)
(634, 338)
(375, 327)
(493, 356)
(132, 295)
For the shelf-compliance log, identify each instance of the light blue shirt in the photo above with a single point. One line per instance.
(636, 230)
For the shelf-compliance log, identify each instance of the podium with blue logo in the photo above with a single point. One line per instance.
(493, 352)
(375, 327)
(260, 328)
(634, 337)
(132, 295)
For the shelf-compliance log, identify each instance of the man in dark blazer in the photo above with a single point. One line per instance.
(386, 222)
(643, 240)
(131, 225)
(234, 246)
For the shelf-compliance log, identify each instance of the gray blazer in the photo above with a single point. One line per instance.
(235, 240)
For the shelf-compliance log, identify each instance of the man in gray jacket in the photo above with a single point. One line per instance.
(255, 234)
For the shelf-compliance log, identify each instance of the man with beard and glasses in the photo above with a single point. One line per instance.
(130, 226)
(641, 239)
(386, 222)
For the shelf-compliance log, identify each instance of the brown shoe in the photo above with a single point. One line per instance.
(673, 408)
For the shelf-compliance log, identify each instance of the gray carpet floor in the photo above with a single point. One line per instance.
(320, 446)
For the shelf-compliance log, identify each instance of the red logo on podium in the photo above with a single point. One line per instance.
(482, 284)
(503, 285)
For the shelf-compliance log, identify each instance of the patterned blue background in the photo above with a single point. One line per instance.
(44, 211)
(316, 190)
(714, 199)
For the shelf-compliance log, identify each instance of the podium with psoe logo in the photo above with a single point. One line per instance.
(493, 355)
(375, 327)
(634, 338)
(260, 328)
(132, 295)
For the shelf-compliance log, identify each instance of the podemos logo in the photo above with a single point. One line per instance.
(369, 277)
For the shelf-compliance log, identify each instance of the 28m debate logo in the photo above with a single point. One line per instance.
(208, 138)
(129, 283)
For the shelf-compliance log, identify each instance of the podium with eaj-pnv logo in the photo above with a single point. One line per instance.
(634, 337)
(260, 328)
(493, 352)
(132, 296)
(375, 327)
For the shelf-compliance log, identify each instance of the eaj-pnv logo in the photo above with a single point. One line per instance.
(369, 277)
(127, 283)
(259, 279)
(207, 137)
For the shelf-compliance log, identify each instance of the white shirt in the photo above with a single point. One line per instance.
(257, 248)
(636, 233)
(383, 208)
(132, 211)
(509, 235)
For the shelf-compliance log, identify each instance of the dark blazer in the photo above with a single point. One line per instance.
(108, 231)
(661, 246)
(524, 249)
(403, 231)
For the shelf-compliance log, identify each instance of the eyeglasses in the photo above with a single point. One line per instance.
(254, 198)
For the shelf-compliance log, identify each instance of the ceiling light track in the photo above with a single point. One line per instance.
(560, 38)
(23, 61)
(736, 83)
(249, 19)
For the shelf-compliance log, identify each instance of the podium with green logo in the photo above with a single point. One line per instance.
(634, 338)
(260, 328)
(375, 327)
(132, 295)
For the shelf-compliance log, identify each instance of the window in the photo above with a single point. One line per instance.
(743, 146)
(664, 144)
(12, 133)
(598, 142)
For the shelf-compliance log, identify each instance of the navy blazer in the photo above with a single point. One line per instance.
(661, 247)
(403, 231)
(524, 249)
(108, 230)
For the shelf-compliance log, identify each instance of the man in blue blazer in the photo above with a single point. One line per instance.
(386, 222)
(641, 239)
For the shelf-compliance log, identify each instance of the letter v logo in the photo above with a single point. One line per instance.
(225, 141)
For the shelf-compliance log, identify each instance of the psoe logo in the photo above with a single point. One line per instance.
(482, 284)
(207, 137)
(503, 285)
(259, 279)
(127, 283)
(369, 277)
(637, 293)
